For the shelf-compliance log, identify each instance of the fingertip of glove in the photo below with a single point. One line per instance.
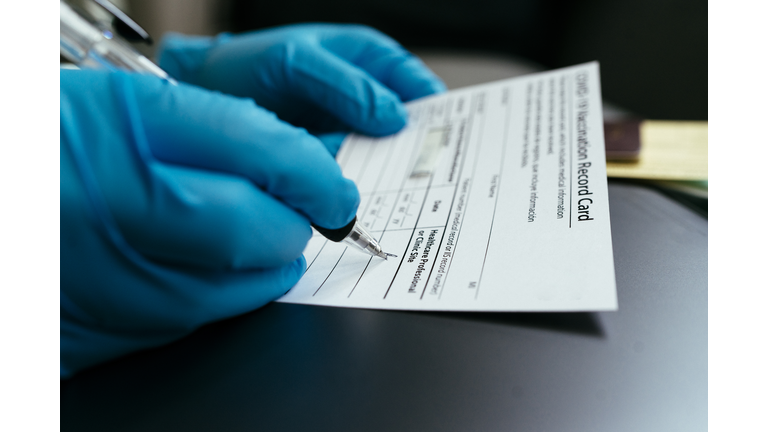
(399, 118)
(293, 272)
(437, 86)
(346, 200)
(427, 88)
(390, 117)
(299, 266)
(332, 141)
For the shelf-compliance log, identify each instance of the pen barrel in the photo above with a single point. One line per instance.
(338, 234)
(89, 47)
(360, 239)
(354, 235)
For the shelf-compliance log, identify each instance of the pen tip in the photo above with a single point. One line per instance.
(387, 255)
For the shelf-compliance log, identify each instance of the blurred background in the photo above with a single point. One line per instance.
(652, 53)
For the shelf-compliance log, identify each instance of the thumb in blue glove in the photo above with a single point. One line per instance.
(326, 78)
(179, 206)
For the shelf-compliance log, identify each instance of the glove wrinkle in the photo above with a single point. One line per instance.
(73, 140)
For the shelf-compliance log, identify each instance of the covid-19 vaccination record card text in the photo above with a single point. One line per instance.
(494, 197)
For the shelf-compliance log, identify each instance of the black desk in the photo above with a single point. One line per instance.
(304, 368)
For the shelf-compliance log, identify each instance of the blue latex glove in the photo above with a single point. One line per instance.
(179, 206)
(326, 78)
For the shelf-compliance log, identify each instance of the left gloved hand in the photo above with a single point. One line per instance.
(326, 78)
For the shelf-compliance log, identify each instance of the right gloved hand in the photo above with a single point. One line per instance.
(179, 206)
(324, 77)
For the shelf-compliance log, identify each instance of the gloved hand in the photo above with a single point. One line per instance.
(326, 78)
(179, 206)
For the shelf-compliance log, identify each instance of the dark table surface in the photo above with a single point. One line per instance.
(295, 367)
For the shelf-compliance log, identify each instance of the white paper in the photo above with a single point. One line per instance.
(506, 210)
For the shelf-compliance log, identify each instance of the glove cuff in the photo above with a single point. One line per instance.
(183, 56)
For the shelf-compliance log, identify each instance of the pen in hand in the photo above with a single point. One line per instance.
(356, 236)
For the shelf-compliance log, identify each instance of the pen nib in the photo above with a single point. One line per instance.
(385, 255)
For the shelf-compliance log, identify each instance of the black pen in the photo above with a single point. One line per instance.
(353, 234)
